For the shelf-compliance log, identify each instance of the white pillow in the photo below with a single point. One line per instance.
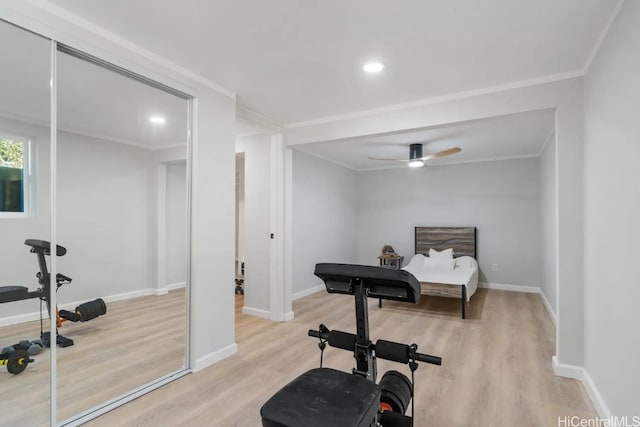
(440, 263)
(446, 254)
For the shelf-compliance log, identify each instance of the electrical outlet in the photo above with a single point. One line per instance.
(494, 267)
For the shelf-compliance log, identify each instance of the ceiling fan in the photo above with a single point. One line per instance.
(416, 159)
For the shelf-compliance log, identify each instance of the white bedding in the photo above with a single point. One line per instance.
(433, 270)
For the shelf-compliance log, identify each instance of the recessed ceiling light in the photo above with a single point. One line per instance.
(157, 120)
(373, 67)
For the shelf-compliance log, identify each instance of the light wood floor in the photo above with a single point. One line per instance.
(496, 371)
(137, 341)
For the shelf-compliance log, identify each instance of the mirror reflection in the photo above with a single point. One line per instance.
(25, 213)
(121, 216)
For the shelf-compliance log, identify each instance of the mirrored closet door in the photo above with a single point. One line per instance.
(25, 216)
(121, 214)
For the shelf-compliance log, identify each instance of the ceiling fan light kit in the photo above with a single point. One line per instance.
(416, 159)
(415, 156)
(415, 151)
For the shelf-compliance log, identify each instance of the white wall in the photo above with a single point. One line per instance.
(500, 198)
(105, 198)
(612, 210)
(176, 242)
(240, 230)
(212, 230)
(257, 223)
(324, 217)
(548, 282)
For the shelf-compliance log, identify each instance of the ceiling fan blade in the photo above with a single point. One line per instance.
(391, 160)
(442, 153)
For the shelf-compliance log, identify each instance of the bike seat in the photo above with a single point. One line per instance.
(323, 397)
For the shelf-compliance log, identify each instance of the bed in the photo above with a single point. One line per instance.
(442, 275)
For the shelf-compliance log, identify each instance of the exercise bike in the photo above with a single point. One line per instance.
(82, 313)
(326, 397)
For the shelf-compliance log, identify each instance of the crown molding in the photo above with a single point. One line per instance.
(603, 35)
(248, 115)
(102, 137)
(43, 27)
(551, 134)
(326, 159)
(439, 99)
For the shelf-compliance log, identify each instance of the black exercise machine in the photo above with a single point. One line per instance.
(325, 397)
(82, 313)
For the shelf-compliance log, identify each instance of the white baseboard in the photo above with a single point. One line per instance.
(256, 312)
(307, 292)
(581, 374)
(215, 357)
(596, 397)
(287, 317)
(567, 371)
(526, 289)
(177, 285)
(119, 297)
(512, 288)
(547, 305)
(160, 291)
(30, 317)
(22, 318)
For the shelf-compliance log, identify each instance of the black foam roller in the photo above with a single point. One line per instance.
(92, 309)
(343, 340)
(392, 351)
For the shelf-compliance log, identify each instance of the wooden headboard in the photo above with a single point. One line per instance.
(461, 239)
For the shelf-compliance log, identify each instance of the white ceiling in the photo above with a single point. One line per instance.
(296, 60)
(513, 136)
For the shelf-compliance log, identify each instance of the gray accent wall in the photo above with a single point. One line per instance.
(500, 198)
(612, 215)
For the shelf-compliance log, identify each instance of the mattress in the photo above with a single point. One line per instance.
(461, 271)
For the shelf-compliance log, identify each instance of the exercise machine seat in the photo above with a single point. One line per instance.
(13, 293)
(45, 247)
(381, 283)
(323, 397)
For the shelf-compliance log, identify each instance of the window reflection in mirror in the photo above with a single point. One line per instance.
(121, 215)
(25, 213)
